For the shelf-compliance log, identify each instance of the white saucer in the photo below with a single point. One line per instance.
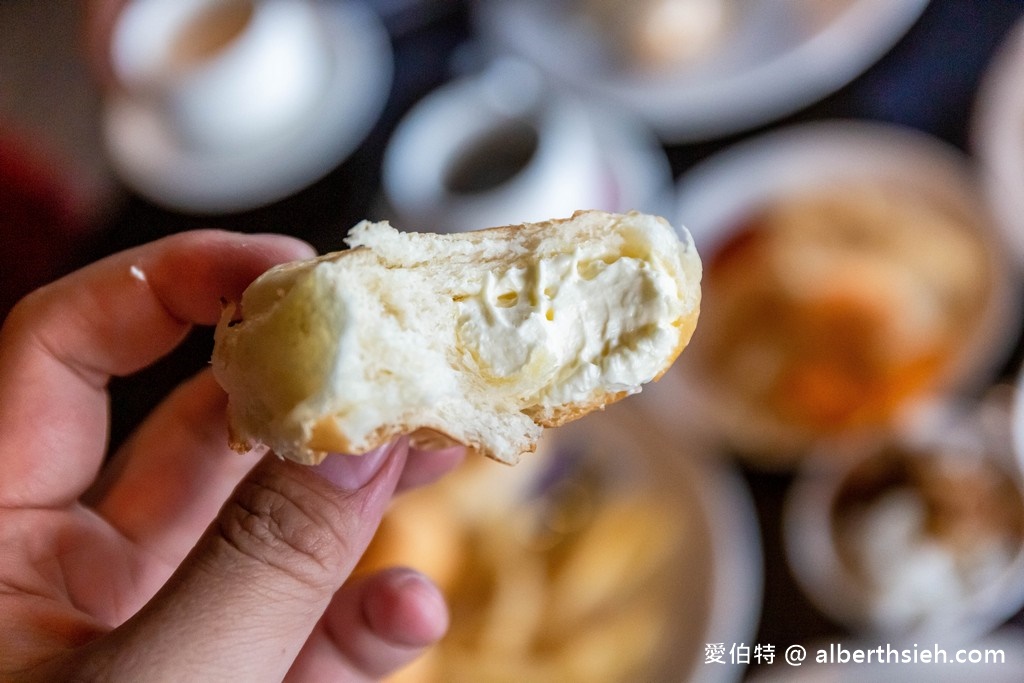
(638, 173)
(149, 159)
(769, 63)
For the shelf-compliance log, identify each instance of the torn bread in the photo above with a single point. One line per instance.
(482, 338)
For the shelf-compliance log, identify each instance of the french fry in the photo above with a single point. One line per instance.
(628, 540)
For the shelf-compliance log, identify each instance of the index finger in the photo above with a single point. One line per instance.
(61, 344)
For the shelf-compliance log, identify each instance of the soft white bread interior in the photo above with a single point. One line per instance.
(482, 338)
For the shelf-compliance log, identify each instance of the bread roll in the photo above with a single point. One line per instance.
(481, 338)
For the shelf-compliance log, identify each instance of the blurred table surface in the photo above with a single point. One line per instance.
(926, 81)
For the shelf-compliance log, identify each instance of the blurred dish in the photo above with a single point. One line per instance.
(496, 148)
(912, 535)
(769, 60)
(222, 75)
(655, 35)
(636, 174)
(998, 137)
(149, 158)
(875, 276)
(500, 148)
(601, 559)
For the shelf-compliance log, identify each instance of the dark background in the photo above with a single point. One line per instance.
(927, 81)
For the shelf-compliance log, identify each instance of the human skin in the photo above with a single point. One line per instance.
(176, 558)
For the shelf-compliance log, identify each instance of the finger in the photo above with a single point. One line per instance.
(60, 345)
(246, 599)
(375, 625)
(425, 467)
(166, 484)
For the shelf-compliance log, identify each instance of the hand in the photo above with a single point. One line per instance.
(129, 572)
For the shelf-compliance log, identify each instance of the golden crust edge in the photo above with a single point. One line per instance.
(339, 443)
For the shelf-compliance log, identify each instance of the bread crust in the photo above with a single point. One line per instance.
(255, 411)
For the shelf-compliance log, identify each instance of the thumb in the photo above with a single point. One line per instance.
(245, 600)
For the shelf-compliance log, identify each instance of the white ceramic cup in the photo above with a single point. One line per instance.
(494, 149)
(222, 74)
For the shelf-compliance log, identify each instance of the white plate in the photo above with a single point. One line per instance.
(149, 159)
(998, 137)
(723, 582)
(771, 62)
(716, 195)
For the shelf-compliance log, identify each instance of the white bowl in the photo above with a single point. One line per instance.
(717, 195)
(609, 532)
(956, 610)
(776, 58)
(722, 582)
(492, 149)
(523, 152)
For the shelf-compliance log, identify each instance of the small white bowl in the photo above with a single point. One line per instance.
(926, 597)
(493, 149)
(715, 198)
(223, 75)
(502, 147)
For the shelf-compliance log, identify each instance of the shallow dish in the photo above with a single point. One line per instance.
(149, 158)
(718, 197)
(775, 58)
(639, 545)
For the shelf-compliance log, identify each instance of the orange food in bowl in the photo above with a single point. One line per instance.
(828, 311)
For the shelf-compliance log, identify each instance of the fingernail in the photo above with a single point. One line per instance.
(430, 597)
(409, 611)
(353, 472)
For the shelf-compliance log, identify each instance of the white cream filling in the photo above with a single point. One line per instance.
(470, 350)
(571, 326)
